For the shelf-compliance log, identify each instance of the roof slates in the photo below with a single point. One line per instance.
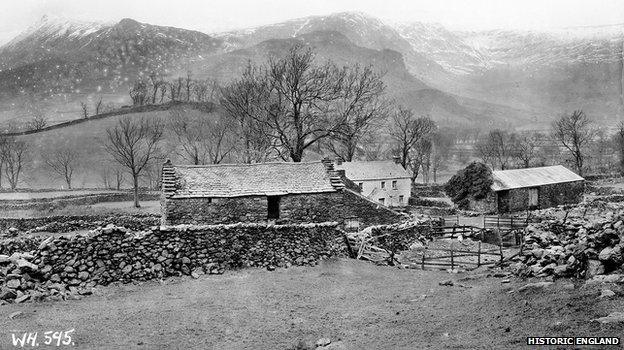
(262, 179)
(532, 177)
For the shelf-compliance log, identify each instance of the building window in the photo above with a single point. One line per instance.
(361, 185)
(394, 183)
(381, 200)
(383, 184)
(273, 204)
(400, 199)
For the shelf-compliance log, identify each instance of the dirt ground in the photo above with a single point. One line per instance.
(355, 304)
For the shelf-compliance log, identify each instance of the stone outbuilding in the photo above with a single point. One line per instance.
(281, 192)
(385, 181)
(531, 188)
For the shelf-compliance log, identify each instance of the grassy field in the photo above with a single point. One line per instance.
(356, 305)
(147, 207)
(6, 196)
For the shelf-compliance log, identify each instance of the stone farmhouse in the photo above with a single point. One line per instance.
(280, 192)
(531, 188)
(386, 181)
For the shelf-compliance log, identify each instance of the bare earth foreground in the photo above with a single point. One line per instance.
(355, 304)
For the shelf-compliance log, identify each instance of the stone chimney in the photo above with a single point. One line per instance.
(168, 179)
(329, 164)
(397, 159)
(338, 161)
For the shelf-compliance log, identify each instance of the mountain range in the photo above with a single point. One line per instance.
(478, 78)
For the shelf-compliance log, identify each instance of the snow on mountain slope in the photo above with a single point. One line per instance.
(444, 47)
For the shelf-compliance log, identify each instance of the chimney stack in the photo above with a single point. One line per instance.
(397, 159)
(328, 163)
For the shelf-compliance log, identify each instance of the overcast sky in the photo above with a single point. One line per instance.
(217, 15)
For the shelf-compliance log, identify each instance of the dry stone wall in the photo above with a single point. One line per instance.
(68, 223)
(575, 247)
(58, 265)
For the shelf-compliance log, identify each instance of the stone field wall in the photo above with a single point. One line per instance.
(38, 268)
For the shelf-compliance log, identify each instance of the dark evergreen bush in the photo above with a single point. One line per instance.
(474, 181)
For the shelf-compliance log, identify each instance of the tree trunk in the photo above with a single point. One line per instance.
(135, 180)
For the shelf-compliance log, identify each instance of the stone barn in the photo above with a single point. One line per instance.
(280, 192)
(532, 188)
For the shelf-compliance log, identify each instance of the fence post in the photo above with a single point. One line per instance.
(500, 249)
(483, 220)
(422, 264)
(452, 258)
(479, 255)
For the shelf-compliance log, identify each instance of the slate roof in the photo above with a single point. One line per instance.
(373, 170)
(532, 177)
(238, 180)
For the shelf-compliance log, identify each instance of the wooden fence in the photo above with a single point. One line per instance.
(505, 223)
(449, 260)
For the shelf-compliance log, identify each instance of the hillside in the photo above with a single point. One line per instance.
(402, 86)
(87, 138)
(57, 63)
(541, 74)
(491, 77)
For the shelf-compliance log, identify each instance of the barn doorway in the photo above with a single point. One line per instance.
(533, 197)
(273, 204)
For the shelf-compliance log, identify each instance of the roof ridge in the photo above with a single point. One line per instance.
(242, 164)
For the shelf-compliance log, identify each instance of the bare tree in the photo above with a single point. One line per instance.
(574, 133)
(406, 131)
(85, 110)
(243, 100)
(297, 103)
(134, 144)
(63, 163)
(527, 148)
(14, 154)
(38, 122)
(300, 94)
(188, 85)
(202, 138)
(420, 158)
(138, 93)
(98, 106)
(359, 110)
(497, 149)
(442, 142)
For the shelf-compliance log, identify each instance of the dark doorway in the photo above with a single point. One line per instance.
(273, 206)
(503, 201)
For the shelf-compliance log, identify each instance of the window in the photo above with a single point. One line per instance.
(394, 183)
(273, 204)
(383, 184)
(381, 200)
(361, 185)
(400, 199)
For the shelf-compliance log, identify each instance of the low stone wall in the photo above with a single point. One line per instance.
(69, 223)
(113, 254)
